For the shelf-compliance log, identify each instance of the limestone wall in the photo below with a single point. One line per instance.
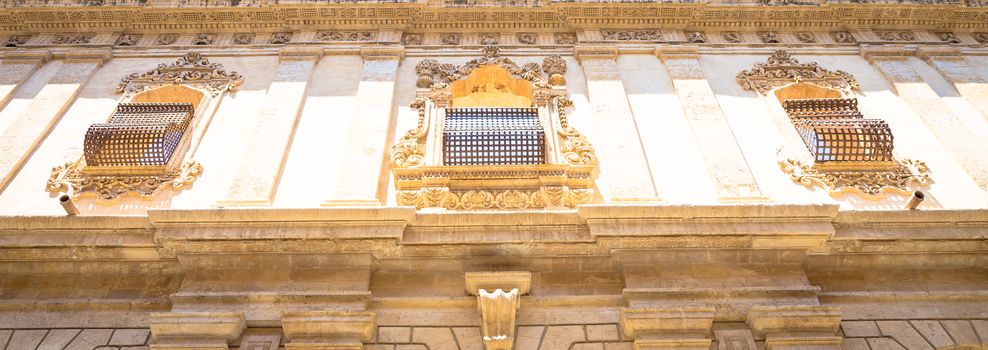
(316, 160)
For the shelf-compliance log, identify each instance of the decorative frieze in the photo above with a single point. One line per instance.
(490, 38)
(527, 38)
(843, 37)
(202, 39)
(411, 39)
(769, 37)
(632, 35)
(345, 36)
(564, 38)
(948, 37)
(16, 40)
(696, 37)
(72, 39)
(896, 35)
(733, 37)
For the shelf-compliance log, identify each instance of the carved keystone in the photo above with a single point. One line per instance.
(497, 307)
(796, 326)
(195, 330)
(672, 328)
(327, 330)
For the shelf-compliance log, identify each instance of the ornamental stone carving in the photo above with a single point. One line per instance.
(806, 37)
(896, 36)
(489, 38)
(128, 40)
(15, 41)
(733, 37)
(281, 38)
(73, 39)
(781, 70)
(411, 39)
(166, 39)
(555, 67)
(432, 72)
(451, 38)
(843, 37)
(243, 38)
(345, 36)
(202, 39)
(191, 69)
(769, 37)
(873, 182)
(528, 38)
(635, 35)
(564, 38)
(981, 37)
(71, 179)
(948, 37)
(696, 37)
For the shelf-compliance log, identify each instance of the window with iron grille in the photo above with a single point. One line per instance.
(833, 129)
(493, 136)
(138, 134)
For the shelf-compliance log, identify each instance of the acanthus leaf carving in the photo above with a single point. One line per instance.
(781, 70)
(191, 69)
(71, 179)
(576, 149)
(410, 150)
(431, 72)
(898, 177)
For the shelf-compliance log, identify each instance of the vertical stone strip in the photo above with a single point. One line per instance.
(363, 181)
(972, 86)
(268, 146)
(622, 156)
(721, 152)
(30, 127)
(15, 68)
(970, 152)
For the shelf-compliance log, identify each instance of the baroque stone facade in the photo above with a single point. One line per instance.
(635, 175)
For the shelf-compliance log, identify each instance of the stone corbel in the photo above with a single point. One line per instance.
(27, 57)
(885, 53)
(195, 330)
(99, 56)
(796, 326)
(327, 330)
(498, 300)
(595, 52)
(665, 52)
(686, 328)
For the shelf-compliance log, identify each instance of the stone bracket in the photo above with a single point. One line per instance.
(335, 330)
(498, 301)
(796, 326)
(668, 328)
(195, 330)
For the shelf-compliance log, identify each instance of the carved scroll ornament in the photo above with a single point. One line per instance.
(410, 150)
(191, 69)
(870, 182)
(431, 72)
(72, 179)
(781, 70)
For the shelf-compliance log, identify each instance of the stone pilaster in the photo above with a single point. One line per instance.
(796, 327)
(972, 86)
(363, 180)
(621, 154)
(668, 328)
(267, 148)
(721, 152)
(195, 330)
(15, 67)
(327, 330)
(966, 148)
(31, 126)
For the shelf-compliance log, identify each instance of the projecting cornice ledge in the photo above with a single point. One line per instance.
(752, 226)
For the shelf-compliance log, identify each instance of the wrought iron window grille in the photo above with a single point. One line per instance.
(138, 134)
(493, 136)
(834, 130)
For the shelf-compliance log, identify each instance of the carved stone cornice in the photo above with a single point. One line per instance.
(27, 56)
(666, 52)
(781, 70)
(927, 53)
(868, 180)
(874, 53)
(595, 52)
(796, 326)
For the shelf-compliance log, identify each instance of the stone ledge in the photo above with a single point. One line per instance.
(767, 320)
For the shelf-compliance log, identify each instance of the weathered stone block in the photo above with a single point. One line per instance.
(860, 329)
(123, 337)
(89, 339)
(394, 334)
(562, 337)
(469, 338)
(961, 331)
(26, 339)
(57, 339)
(884, 344)
(618, 346)
(437, 338)
(528, 337)
(904, 334)
(981, 327)
(602, 332)
(933, 332)
(411, 347)
(588, 346)
(854, 344)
